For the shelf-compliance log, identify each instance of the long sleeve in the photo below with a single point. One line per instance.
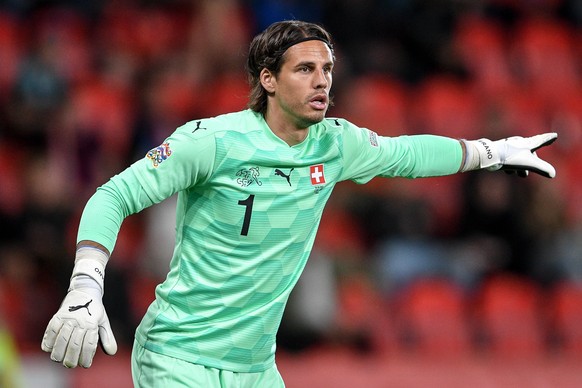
(367, 155)
(109, 206)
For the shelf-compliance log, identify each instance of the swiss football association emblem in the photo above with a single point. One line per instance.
(316, 174)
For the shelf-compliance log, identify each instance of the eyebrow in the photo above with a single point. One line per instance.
(313, 64)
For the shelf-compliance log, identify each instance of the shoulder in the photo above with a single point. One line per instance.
(338, 125)
(341, 128)
(349, 135)
(242, 121)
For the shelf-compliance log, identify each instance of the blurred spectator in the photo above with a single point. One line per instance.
(406, 246)
(556, 254)
(39, 92)
(406, 39)
(492, 219)
(266, 12)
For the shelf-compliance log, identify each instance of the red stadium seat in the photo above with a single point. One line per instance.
(432, 314)
(521, 111)
(147, 34)
(566, 317)
(363, 311)
(482, 48)
(11, 50)
(446, 106)
(89, 102)
(508, 315)
(376, 102)
(543, 53)
(227, 93)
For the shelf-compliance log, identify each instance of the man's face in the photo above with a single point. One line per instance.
(301, 88)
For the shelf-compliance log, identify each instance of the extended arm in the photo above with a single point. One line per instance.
(414, 156)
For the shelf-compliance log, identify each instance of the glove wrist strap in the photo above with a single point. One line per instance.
(89, 262)
(482, 153)
(87, 285)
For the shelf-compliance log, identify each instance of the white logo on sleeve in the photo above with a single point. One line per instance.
(373, 138)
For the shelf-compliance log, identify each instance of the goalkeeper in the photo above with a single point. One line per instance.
(252, 186)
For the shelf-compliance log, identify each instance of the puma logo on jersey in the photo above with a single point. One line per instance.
(198, 126)
(286, 176)
(81, 306)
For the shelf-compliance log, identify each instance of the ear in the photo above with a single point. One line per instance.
(268, 80)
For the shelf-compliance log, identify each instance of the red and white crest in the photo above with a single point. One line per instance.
(316, 174)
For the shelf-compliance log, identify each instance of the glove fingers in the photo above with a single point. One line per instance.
(61, 342)
(71, 359)
(539, 167)
(89, 348)
(544, 172)
(542, 167)
(520, 173)
(528, 160)
(50, 334)
(106, 336)
(538, 141)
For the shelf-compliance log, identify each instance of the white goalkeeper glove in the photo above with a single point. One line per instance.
(74, 331)
(514, 154)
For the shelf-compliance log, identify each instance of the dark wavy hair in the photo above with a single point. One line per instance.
(268, 48)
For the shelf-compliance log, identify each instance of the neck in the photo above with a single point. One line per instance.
(286, 130)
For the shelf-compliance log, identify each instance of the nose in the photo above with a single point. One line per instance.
(321, 79)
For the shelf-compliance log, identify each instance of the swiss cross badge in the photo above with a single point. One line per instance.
(316, 174)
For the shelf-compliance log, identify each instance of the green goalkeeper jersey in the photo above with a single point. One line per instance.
(248, 210)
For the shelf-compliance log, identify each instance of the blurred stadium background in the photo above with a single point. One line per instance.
(470, 280)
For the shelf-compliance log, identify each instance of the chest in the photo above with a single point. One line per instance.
(262, 193)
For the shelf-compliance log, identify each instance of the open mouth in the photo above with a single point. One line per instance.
(318, 101)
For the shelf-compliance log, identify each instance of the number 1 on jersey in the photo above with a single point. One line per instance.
(248, 203)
